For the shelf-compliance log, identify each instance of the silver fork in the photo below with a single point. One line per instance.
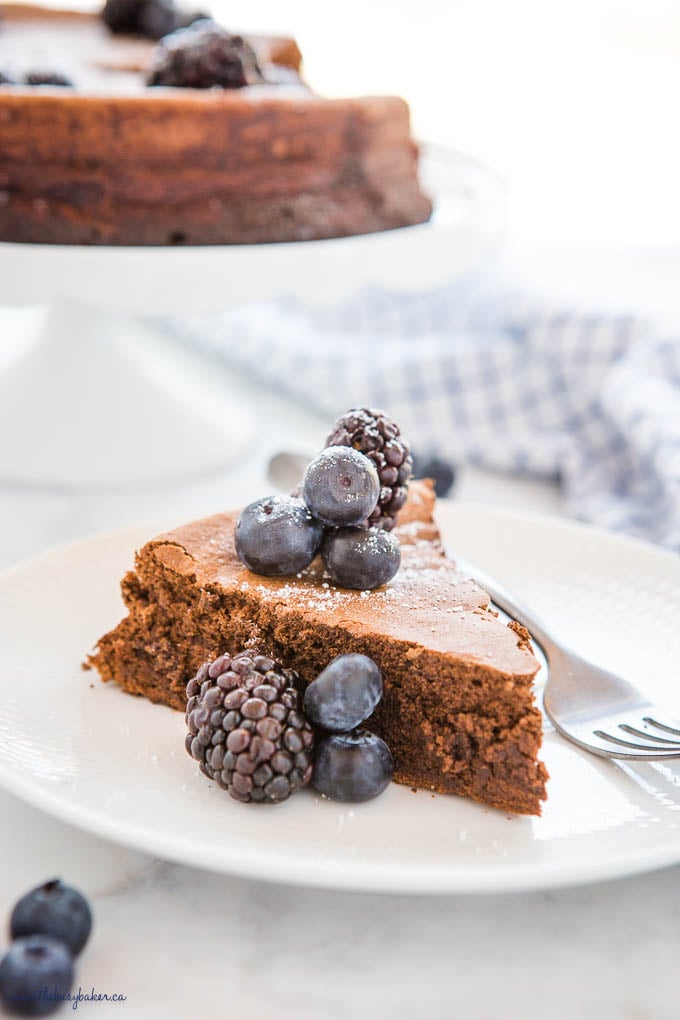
(597, 710)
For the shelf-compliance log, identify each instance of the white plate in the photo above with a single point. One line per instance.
(116, 765)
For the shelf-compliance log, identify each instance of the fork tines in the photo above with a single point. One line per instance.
(652, 742)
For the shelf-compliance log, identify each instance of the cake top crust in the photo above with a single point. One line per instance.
(428, 604)
(79, 44)
(105, 67)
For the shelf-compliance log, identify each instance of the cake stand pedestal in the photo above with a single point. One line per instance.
(93, 399)
(96, 394)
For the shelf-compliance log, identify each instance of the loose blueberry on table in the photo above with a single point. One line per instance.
(49, 926)
(53, 909)
(31, 965)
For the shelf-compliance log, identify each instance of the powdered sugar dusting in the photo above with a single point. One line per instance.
(425, 580)
(412, 529)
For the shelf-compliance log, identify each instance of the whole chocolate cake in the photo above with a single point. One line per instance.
(110, 138)
(458, 710)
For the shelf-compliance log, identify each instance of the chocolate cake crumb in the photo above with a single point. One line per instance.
(522, 633)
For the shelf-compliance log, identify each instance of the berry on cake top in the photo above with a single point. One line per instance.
(204, 56)
(379, 437)
(351, 495)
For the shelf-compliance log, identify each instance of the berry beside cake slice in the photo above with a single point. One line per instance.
(458, 711)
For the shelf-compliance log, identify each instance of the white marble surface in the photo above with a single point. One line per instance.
(185, 943)
(181, 943)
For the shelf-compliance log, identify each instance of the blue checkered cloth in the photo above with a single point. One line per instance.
(477, 373)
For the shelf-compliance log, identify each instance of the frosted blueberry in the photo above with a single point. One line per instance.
(341, 487)
(344, 694)
(53, 909)
(352, 766)
(32, 965)
(277, 536)
(359, 558)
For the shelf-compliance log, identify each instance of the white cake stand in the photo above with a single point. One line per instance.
(95, 396)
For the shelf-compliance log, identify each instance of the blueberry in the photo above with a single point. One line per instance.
(185, 18)
(35, 975)
(352, 766)
(150, 18)
(277, 536)
(344, 694)
(442, 474)
(157, 19)
(359, 558)
(341, 487)
(53, 909)
(48, 78)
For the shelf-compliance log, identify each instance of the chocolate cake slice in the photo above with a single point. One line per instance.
(458, 711)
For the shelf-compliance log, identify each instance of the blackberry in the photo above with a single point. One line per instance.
(202, 56)
(48, 78)
(377, 436)
(247, 730)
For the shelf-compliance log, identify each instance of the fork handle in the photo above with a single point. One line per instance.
(511, 605)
